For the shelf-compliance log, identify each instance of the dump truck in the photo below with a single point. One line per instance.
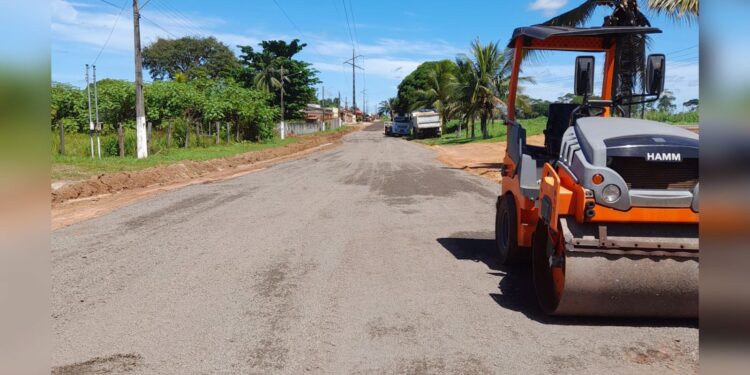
(425, 122)
(606, 212)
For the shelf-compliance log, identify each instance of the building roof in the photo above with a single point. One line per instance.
(543, 32)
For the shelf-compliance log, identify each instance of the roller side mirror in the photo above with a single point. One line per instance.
(584, 78)
(655, 73)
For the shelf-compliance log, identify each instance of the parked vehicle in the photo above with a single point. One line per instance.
(401, 126)
(425, 122)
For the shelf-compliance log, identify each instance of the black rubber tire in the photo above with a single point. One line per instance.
(542, 274)
(506, 233)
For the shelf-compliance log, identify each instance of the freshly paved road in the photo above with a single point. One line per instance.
(368, 258)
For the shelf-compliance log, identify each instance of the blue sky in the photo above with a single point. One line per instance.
(393, 36)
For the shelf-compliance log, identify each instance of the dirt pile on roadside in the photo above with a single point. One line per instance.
(182, 171)
(481, 159)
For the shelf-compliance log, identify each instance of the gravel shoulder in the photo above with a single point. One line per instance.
(480, 159)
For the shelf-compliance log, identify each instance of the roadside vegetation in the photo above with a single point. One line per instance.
(76, 167)
(204, 102)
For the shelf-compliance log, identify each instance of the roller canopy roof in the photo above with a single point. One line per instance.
(543, 32)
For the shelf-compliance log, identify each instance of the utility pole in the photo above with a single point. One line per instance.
(91, 120)
(140, 111)
(364, 102)
(339, 98)
(354, 65)
(282, 130)
(98, 125)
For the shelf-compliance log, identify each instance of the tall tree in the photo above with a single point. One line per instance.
(267, 77)
(388, 107)
(465, 92)
(66, 105)
(189, 58)
(439, 90)
(410, 86)
(666, 102)
(487, 61)
(262, 71)
(116, 101)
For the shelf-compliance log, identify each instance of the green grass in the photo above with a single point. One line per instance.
(497, 130)
(78, 167)
(684, 118)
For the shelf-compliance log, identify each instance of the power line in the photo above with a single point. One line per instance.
(346, 14)
(158, 26)
(680, 50)
(354, 22)
(288, 18)
(111, 31)
(176, 16)
(142, 16)
(110, 3)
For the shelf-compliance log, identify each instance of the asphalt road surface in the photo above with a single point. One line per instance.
(368, 258)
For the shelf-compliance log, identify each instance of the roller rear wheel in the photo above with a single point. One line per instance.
(506, 233)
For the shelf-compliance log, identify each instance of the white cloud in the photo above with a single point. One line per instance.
(549, 7)
(90, 25)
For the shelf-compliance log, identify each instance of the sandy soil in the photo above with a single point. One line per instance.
(481, 159)
(74, 202)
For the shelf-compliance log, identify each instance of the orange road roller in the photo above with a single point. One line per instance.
(606, 213)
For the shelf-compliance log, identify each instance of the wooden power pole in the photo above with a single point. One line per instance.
(140, 111)
(282, 130)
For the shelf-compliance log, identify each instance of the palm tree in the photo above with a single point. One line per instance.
(464, 89)
(501, 83)
(265, 77)
(439, 91)
(626, 11)
(387, 106)
(676, 9)
(488, 62)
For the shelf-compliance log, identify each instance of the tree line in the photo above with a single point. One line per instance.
(469, 88)
(198, 82)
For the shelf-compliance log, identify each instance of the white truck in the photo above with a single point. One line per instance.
(400, 126)
(425, 122)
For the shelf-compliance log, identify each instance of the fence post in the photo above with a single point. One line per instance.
(148, 138)
(198, 134)
(120, 140)
(229, 130)
(187, 134)
(62, 137)
(218, 131)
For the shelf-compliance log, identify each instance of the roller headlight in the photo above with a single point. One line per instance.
(611, 193)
